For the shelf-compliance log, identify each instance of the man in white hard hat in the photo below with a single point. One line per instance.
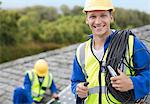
(90, 55)
(36, 82)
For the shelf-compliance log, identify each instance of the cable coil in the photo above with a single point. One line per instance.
(116, 54)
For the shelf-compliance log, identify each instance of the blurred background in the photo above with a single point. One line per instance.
(29, 27)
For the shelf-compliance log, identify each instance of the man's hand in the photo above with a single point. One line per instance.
(122, 82)
(55, 96)
(82, 90)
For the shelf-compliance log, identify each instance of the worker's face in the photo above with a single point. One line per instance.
(99, 22)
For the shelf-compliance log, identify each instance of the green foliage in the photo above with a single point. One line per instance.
(77, 10)
(64, 31)
(8, 27)
(65, 10)
(45, 13)
(8, 53)
(131, 18)
(28, 26)
(36, 29)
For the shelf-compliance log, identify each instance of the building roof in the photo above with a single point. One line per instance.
(60, 65)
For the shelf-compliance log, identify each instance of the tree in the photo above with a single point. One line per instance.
(77, 10)
(8, 27)
(45, 13)
(0, 4)
(28, 26)
(65, 10)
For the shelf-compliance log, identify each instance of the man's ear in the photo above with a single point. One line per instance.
(112, 18)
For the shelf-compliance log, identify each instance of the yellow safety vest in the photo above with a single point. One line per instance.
(91, 67)
(36, 89)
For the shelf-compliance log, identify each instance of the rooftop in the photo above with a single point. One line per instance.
(60, 62)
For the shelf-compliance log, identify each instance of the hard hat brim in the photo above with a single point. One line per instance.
(98, 8)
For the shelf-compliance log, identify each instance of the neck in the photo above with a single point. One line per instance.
(99, 41)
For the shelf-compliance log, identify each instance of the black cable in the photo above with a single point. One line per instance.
(130, 59)
(116, 50)
(117, 56)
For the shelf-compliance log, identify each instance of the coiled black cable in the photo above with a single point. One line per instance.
(115, 57)
(116, 51)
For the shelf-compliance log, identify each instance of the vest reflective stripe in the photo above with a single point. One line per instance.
(95, 90)
(35, 95)
(32, 80)
(37, 91)
(92, 68)
(82, 58)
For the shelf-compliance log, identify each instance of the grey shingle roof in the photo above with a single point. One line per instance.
(60, 65)
(12, 73)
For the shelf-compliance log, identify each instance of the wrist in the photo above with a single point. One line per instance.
(131, 84)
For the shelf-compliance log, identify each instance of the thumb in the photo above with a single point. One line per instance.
(119, 71)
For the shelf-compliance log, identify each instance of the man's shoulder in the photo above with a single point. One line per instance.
(30, 74)
(81, 45)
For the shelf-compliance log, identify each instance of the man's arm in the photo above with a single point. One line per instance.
(53, 87)
(77, 75)
(53, 90)
(141, 59)
(27, 86)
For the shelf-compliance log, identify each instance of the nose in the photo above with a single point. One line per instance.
(98, 21)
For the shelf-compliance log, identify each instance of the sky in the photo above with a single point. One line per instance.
(142, 5)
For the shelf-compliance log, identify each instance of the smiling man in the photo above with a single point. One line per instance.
(92, 59)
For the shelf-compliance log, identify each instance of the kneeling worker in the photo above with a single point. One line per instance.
(35, 84)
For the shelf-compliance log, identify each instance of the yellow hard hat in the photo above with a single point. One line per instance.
(91, 5)
(41, 68)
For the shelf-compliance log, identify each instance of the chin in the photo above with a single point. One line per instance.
(100, 33)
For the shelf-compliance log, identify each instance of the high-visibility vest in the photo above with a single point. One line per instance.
(91, 67)
(36, 89)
